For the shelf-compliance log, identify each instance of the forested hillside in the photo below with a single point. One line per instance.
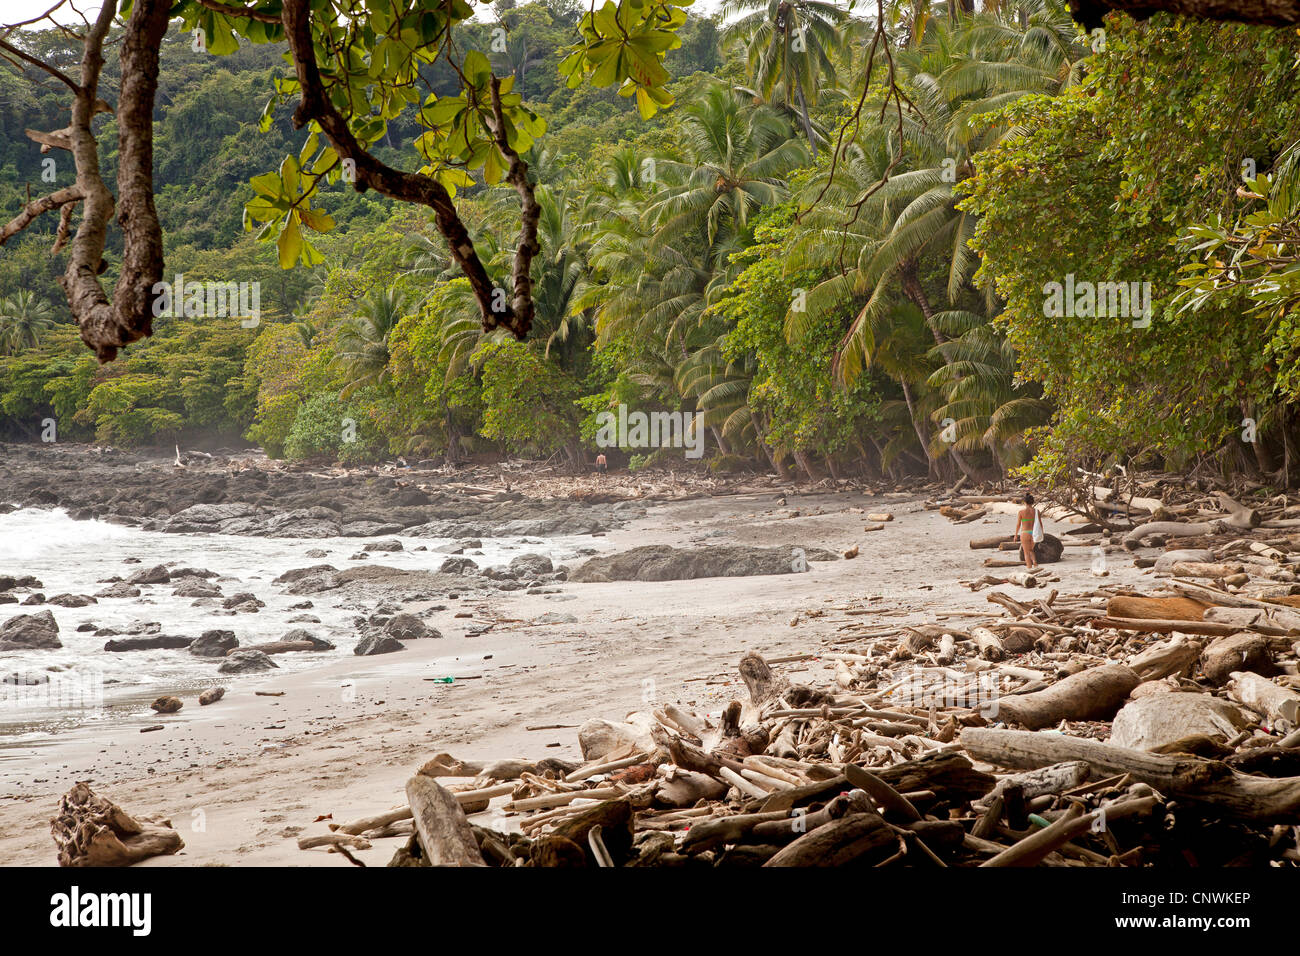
(842, 280)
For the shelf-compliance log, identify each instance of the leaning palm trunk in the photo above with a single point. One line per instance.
(803, 115)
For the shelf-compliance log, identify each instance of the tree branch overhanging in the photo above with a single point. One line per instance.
(61, 199)
(371, 173)
(105, 326)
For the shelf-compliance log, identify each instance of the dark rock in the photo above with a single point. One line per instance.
(155, 575)
(167, 705)
(531, 564)
(377, 644)
(242, 601)
(120, 590)
(8, 582)
(214, 644)
(37, 598)
(160, 642)
(390, 545)
(72, 600)
(297, 574)
(246, 662)
(660, 562)
(457, 566)
(302, 634)
(408, 627)
(197, 589)
(26, 632)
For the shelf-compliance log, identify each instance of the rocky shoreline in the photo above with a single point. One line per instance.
(242, 493)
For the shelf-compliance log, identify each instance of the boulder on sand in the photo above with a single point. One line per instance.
(27, 632)
(1158, 720)
(408, 627)
(1047, 551)
(1236, 652)
(602, 739)
(660, 562)
(377, 644)
(532, 564)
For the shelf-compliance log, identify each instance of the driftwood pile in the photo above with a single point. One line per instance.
(922, 752)
(1115, 727)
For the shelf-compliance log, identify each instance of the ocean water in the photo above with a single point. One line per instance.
(82, 682)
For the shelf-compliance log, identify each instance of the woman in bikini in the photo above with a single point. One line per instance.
(1025, 530)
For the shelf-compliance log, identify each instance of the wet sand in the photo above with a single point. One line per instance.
(244, 778)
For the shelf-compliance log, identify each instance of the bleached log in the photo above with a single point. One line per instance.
(1168, 658)
(444, 832)
(1239, 516)
(1264, 697)
(990, 647)
(1171, 528)
(1281, 618)
(1190, 778)
(1093, 694)
(1203, 569)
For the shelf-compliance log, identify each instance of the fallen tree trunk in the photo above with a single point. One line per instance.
(1239, 516)
(1264, 697)
(836, 843)
(445, 834)
(1093, 694)
(1190, 778)
(1156, 608)
(1282, 619)
(1167, 627)
(1189, 529)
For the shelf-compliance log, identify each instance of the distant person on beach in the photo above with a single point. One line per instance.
(1029, 528)
(600, 463)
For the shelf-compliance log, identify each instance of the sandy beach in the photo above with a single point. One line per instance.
(243, 779)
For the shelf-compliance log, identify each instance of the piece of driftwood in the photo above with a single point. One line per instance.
(1203, 781)
(1170, 528)
(1174, 657)
(1093, 694)
(334, 839)
(1264, 697)
(1156, 608)
(1165, 627)
(90, 830)
(989, 644)
(444, 834)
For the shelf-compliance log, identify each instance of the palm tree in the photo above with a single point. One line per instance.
(737, 159)
(362, 342)
(985, 409)
(793, 42)
(23, 319)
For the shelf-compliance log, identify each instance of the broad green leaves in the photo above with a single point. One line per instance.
(370, 55)
(283, 206)
(624, 44)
